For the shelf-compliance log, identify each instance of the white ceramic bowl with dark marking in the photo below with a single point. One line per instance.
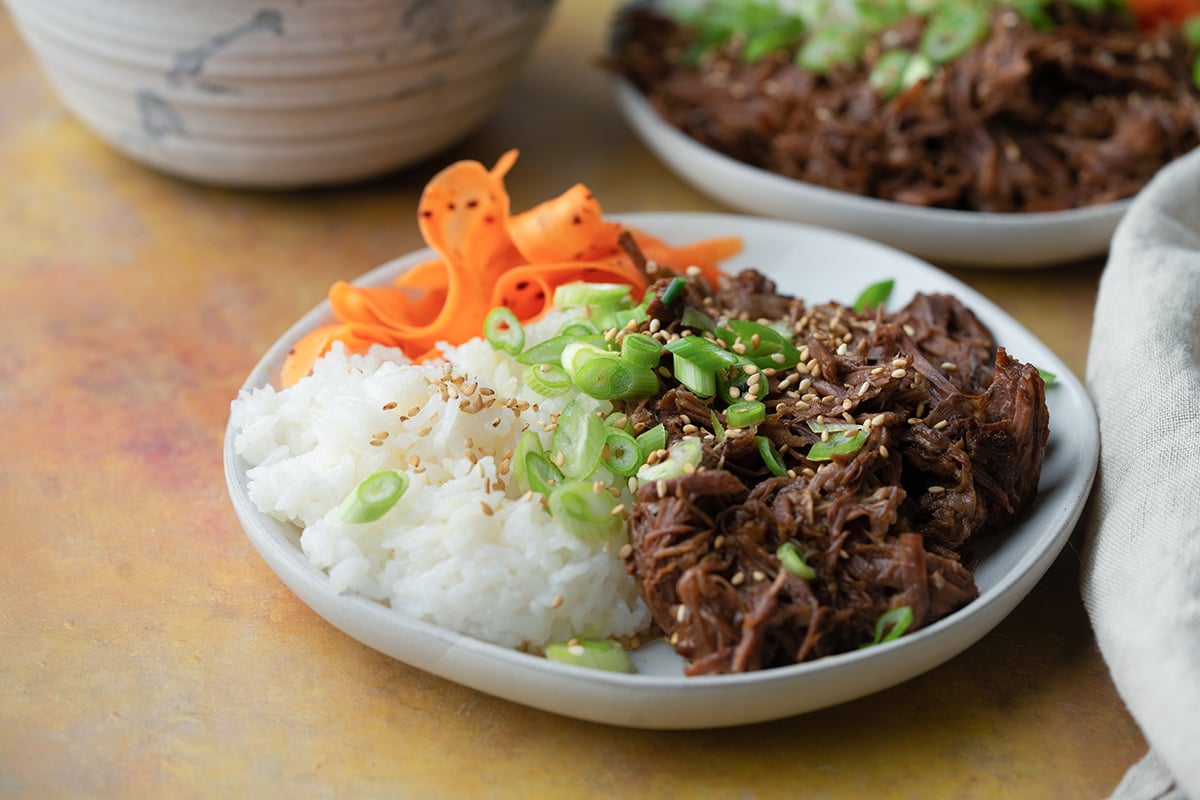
(280, 93)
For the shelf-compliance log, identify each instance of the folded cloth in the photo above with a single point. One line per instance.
(1141, 560)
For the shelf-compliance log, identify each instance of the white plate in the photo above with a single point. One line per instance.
(943, 236)
(816, 264)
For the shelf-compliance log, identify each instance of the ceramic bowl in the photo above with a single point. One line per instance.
(280, 93)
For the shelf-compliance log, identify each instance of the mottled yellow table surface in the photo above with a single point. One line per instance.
(147, 651)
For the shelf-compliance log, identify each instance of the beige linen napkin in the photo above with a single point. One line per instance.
(1141, 562)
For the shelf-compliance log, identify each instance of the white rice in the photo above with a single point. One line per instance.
(512, 576)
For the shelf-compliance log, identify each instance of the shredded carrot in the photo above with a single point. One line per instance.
(487, 256)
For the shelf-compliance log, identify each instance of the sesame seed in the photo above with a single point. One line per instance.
(866, 385)
(878, 420)
(883, 451)
(936, 489)
(660, 486)
(937, 426)
(557, 603)
(949, 366)
(847, 403)
(655, 325)
(899, 362)
(618, 510)
(487, 510)
(759, 575)
(738, 578)
(625, 552)
(681, 613)
(389, 406)
(842, 348)
(899, 373)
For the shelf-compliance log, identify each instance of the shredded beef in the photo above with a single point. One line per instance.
(1081, 113)
(957, 431)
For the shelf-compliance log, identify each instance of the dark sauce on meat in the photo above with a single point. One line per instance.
(956, 435)
(1082, 112)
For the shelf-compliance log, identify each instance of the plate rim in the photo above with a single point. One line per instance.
(910, 655)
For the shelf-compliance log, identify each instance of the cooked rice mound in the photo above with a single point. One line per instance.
(462, 549)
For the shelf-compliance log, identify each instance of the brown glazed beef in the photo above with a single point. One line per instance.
(956, 434)
(1080, 113)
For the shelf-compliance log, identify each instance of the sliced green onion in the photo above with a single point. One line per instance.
(611, 377)
(579, 327)
(793, 561)
(641, 349)
(952, 31)
(621, 456)
(585, 512)
(652, 440)
(887, 74)
(891, 625)
(673, 290)
(919, 68)
(745, 413)
(528, 443)
(875, 15)
(718, 428)
(619, 317)
(770, 457)
(579, 438)
(547, 351)
(576, 353)
(1196, 72)
(829, 46)
(702, 382)
(874, 295)
(1047, 377)
(704, 353)
(683, 457)
(764, 345)
(603, 654)
(548, 380)
(503, 330)
(582, 293)
(773, 40)
(695, 318)
(734, 382)
(374, 496)
(845, 443)
(542, 475)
